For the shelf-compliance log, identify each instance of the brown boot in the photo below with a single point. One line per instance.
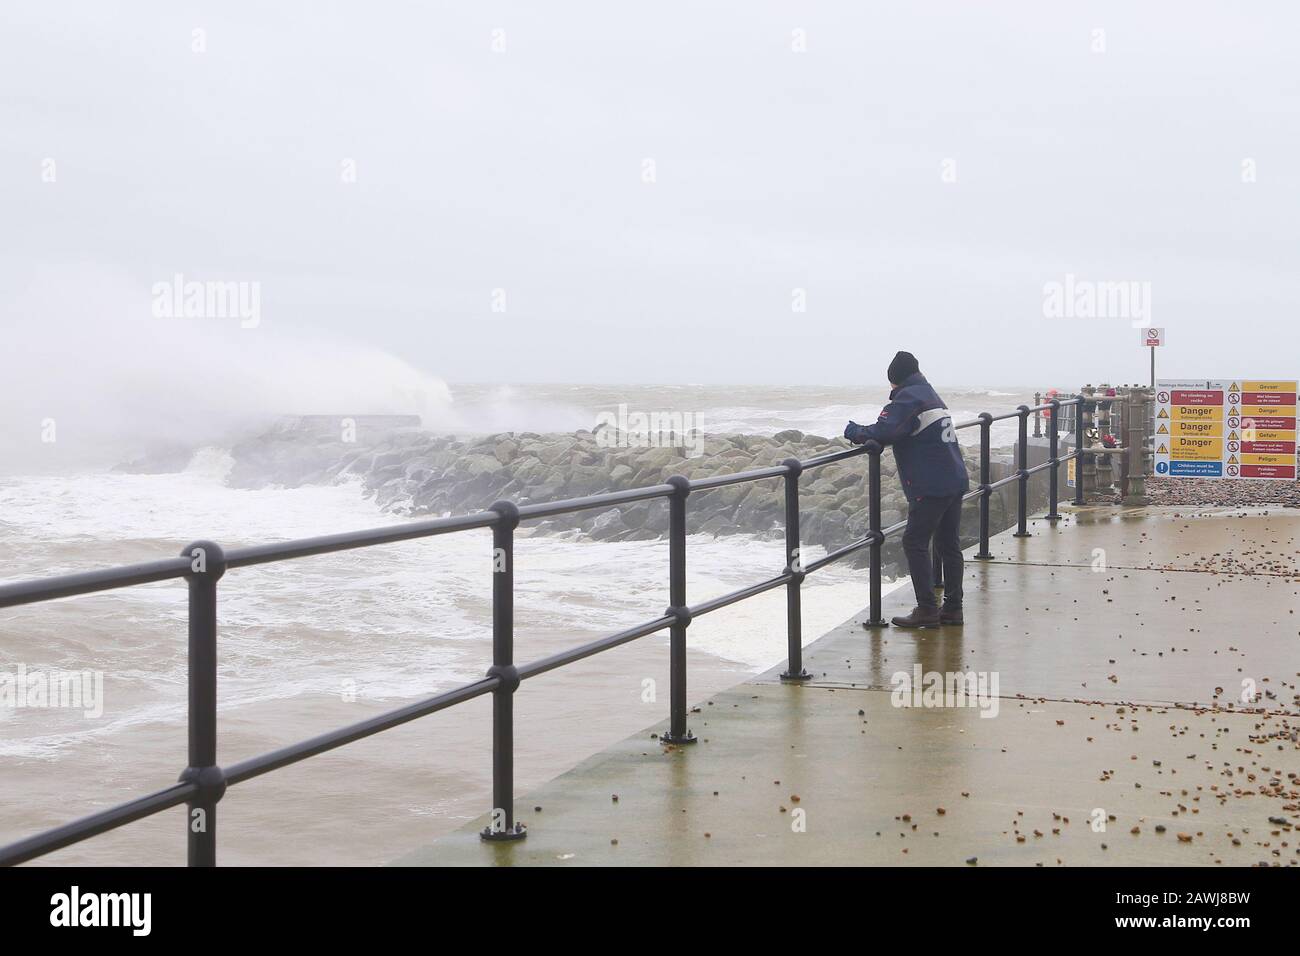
(920, 617)
(951, 614)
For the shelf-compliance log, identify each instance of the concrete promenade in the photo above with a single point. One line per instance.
(1120, 641)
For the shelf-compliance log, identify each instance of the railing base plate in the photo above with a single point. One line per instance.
(1022, 534)
(803, 675)
(870, 624)
(687, 738)
(500, 836)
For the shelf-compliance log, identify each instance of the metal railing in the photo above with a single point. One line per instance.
(204, 782)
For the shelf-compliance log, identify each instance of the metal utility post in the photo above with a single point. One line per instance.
(1152, 337)
(1105, 469)
(679, 611)
(794, 670)
(1022, 473)
(876, 616)
(985, 489)
(1053, 451)
(1080, 442)
(208, 564)
(502, 824)
(1136, 438)
(1086, 472)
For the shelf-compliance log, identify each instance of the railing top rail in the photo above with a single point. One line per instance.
(545, 509)
(721, 481)
(87, 582)
(348, 540)
(833, 456)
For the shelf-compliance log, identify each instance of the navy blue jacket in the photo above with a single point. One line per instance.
(917, 424)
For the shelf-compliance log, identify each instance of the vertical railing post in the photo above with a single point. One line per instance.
(986, 422)
(1038, 416)
(1022, 472)
(1080, 441)
(679, 611)
(936, 569)
(207, 565)
(794, 670)
(502, 824)
(1053, 450)
(876, 618)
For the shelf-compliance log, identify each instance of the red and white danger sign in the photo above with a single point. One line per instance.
(1153, 336)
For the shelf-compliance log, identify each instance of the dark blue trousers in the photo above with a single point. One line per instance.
(938, 519)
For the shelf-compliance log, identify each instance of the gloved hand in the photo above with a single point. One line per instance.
(852, 431)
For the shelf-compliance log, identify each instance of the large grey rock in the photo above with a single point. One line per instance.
(715, 525)
(607, 524)
(759, 510)
(636, 515)
(505, 451)
(478, 464)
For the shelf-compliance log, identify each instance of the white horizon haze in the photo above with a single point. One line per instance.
(721, 193)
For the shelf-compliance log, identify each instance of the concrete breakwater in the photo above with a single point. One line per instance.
(414, 472)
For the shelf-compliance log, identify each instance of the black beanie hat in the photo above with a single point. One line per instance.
(903, 365)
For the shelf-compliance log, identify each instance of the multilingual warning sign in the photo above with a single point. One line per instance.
(1231, 428)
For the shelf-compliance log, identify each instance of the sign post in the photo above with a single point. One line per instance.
(1153, 337)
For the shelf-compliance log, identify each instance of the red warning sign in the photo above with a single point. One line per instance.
(1268, 398)
(1268, 471)
(1263, 424)
(1201, 396)
(1268, 447)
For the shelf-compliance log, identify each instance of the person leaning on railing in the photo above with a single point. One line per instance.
(933, 476)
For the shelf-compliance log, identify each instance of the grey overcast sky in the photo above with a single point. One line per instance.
(921, 171)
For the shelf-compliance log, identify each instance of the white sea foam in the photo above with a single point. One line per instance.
(395, 621)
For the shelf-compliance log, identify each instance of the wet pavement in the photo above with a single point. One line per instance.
(1108, 719)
